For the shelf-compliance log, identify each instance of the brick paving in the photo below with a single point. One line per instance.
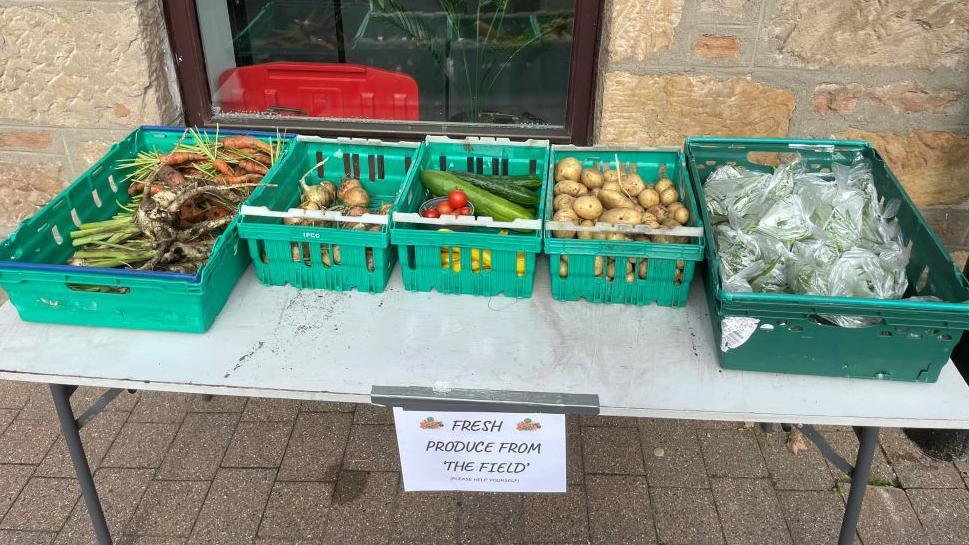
(175, 469)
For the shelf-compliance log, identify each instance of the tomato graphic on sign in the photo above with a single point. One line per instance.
(528, 425)
(430, 424)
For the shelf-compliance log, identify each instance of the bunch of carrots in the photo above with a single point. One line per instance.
(181, 201)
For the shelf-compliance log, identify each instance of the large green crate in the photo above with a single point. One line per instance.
(782, 332)
(668, 267)
(307, 257)
(445, 261)
(44, 289)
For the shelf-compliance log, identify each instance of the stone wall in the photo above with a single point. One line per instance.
(75, 76)
(894, 72)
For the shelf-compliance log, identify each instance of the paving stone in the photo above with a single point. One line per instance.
(40, 406)
(43, 505)
(27, 441)
(152, 540)
(6, 417)
(258, 444)
(217, 404)
(749, 512)
(686, 517)
(732, 453)
(887, 517)
(17, 537)
(233, 507)
(326, 407)
(914, 468)
(161, 407)
(598, 421)
(362, 508)
(12, 481)
(140, 444)
(198, 447)
(86, 396)
(316, 446)
(721, 425)
(672, 455)
(491, 518)
(280, 541)
(963, 468)
(557, 517)
(15, 394)
(120, 490)
(367, 413)
(944, 514)
(612, 450)
(371, 448)
(296, 509)
(169, 508)
(813, 516)
(845, 444)
(619, 510)
(574, 468)
(426, 517)
(806, 470)
(96, 436)
(270, 410)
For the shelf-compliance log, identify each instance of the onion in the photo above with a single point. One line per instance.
(355, 196)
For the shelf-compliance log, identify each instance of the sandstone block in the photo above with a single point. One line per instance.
(23, 139)
(638, 29)
(907, 96)
(861, 33)
(734, 9)
(712, 47)
(29, 182)
(933, 166)
(664, 109)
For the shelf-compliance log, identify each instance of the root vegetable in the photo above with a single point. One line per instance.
(569, 187)
(628, 216)
(566, 216)
(239, 142)
(612, 186)
(643, 267)
(610, 176)
(650, 220)
(564, 266)
(669, 196)
(356, 196)
(681, 214)
(385, 208)
(631, 183)
(169, 176)
(222, 167)
(659, 211)
(598, 265)
(630, 277)
(562, 202)
(648, 197)
(585, 235)
(618, 237)
(587, 207)
(663, 185)
(356, 211)
(347, 185)
(237, 180)
(592, 178)
(252, 166)
(568, 169)
(614, 199)
(611, 269)
(177, 158)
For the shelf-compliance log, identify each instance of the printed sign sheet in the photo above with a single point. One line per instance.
(486, 452)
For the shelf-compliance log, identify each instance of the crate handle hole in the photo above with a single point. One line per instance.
(945, 337)
(306, 254)
(54, 232)
(521, 265)
(411, 258)
(932, 331)
(368, 252)
(337, 258)
(75, 218)
(96, 197)
(261, 249)
(885, 333)
(643, 269)
(923, 280)
(97, 288)
(325, 255)
(114, 187)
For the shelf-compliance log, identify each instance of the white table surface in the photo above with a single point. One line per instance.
(322, 345)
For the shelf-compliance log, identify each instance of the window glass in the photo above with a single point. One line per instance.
(443, 61)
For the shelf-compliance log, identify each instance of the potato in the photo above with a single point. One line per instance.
(586, 235)
(660, 211)
(562, 202)
(681, 214)
(595, 192)
(618, 237)
(591, 178)
(670, 223)
(599, 264)
(569, 187)
(612, 186)
(639, 208)
(610, 176)
(566, 216)
(587, 207)
(650, 220)
(563, 266)
(611, 269)
(663, 185)
(630, 277)
(648, 197)
(614, 199)
(632, 184)
(669, 196)
(628, 216)
(598, 235)
(643, 267)
(568, 169)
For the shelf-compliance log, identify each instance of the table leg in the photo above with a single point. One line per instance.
(867, 441)
(62, 403)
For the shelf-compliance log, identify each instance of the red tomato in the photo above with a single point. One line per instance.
(431, 213)
(457, 198)
(444, 207)
(464, 211)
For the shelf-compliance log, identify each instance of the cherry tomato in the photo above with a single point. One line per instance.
(457, 198)
(444, 207)
(431, 213)
(464, 211)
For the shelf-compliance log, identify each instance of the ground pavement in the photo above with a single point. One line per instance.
(174, 469)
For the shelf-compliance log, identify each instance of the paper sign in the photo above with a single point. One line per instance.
(487, 452)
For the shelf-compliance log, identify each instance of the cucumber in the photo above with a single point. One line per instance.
(514, 193)
(527, 181)
(485, 203)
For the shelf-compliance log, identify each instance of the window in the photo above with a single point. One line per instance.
(389, 68)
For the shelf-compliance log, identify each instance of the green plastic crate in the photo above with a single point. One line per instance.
(782, 332)
(455, 262)
(327, 257)
(662, 271)
(44, 289)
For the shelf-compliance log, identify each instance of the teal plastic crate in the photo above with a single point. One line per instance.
(327, 257)
(783, 332)
(44, 289)
(661, 272)
(457, 262)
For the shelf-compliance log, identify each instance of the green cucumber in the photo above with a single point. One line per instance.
(514, 193)
(485, 203)
(527, 181)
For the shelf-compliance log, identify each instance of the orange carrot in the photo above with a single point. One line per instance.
(250, 178)
(222, 166)
(181, 157)
(246, 142)
(252, 166)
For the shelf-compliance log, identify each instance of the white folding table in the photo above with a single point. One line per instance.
(463, 353)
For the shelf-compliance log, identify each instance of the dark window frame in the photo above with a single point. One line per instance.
(183, 32)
